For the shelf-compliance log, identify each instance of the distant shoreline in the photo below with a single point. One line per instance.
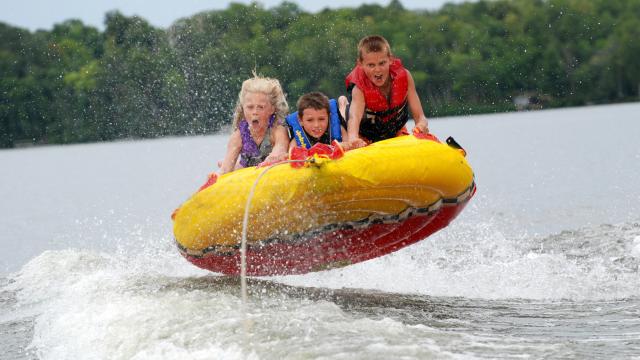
(78, 84)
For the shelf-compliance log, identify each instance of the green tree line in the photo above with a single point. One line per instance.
(75, 83)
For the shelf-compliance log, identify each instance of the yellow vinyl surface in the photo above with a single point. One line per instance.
(383, 178)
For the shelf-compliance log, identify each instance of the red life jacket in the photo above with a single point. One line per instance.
(382, 118)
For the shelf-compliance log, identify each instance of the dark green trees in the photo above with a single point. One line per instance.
(78, 84)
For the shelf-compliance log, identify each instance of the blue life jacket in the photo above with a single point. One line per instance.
(333, 129)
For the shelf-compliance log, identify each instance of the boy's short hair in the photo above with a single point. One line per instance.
(373, 43)
(313, 100)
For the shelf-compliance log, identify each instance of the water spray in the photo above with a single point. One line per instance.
(245, 221)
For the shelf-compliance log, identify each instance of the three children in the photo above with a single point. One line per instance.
(382, 94)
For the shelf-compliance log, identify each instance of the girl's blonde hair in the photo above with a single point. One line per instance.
(268, 86)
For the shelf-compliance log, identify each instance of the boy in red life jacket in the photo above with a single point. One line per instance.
(382, 95)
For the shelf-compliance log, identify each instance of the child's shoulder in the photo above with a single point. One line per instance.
(235, 138)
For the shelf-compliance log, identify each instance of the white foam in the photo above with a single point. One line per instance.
(478, 261)
(635, 249)
(96, 306)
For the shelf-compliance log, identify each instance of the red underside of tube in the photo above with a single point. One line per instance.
(331, 249)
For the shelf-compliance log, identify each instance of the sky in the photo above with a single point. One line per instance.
(43, 14)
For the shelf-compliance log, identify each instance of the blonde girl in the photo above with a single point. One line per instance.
(258, 135)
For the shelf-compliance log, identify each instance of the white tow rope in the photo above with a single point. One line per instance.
(245, 222)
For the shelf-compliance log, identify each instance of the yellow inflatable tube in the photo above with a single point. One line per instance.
(379, 180)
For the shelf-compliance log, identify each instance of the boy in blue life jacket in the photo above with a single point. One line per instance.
(317, 120)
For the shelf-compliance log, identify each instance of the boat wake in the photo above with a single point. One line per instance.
(78, 302)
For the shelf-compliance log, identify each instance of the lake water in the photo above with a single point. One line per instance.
(543, 263)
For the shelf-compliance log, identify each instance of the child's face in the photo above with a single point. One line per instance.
(376, 67)
(257, 109)
(315, 121)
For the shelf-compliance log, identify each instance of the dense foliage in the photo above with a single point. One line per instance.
(75, 83)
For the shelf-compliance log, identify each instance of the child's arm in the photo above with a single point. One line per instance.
(356, 111)
(416, 107)
(234, 146)
(280, 141)
(344, 144)
(344, 132)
